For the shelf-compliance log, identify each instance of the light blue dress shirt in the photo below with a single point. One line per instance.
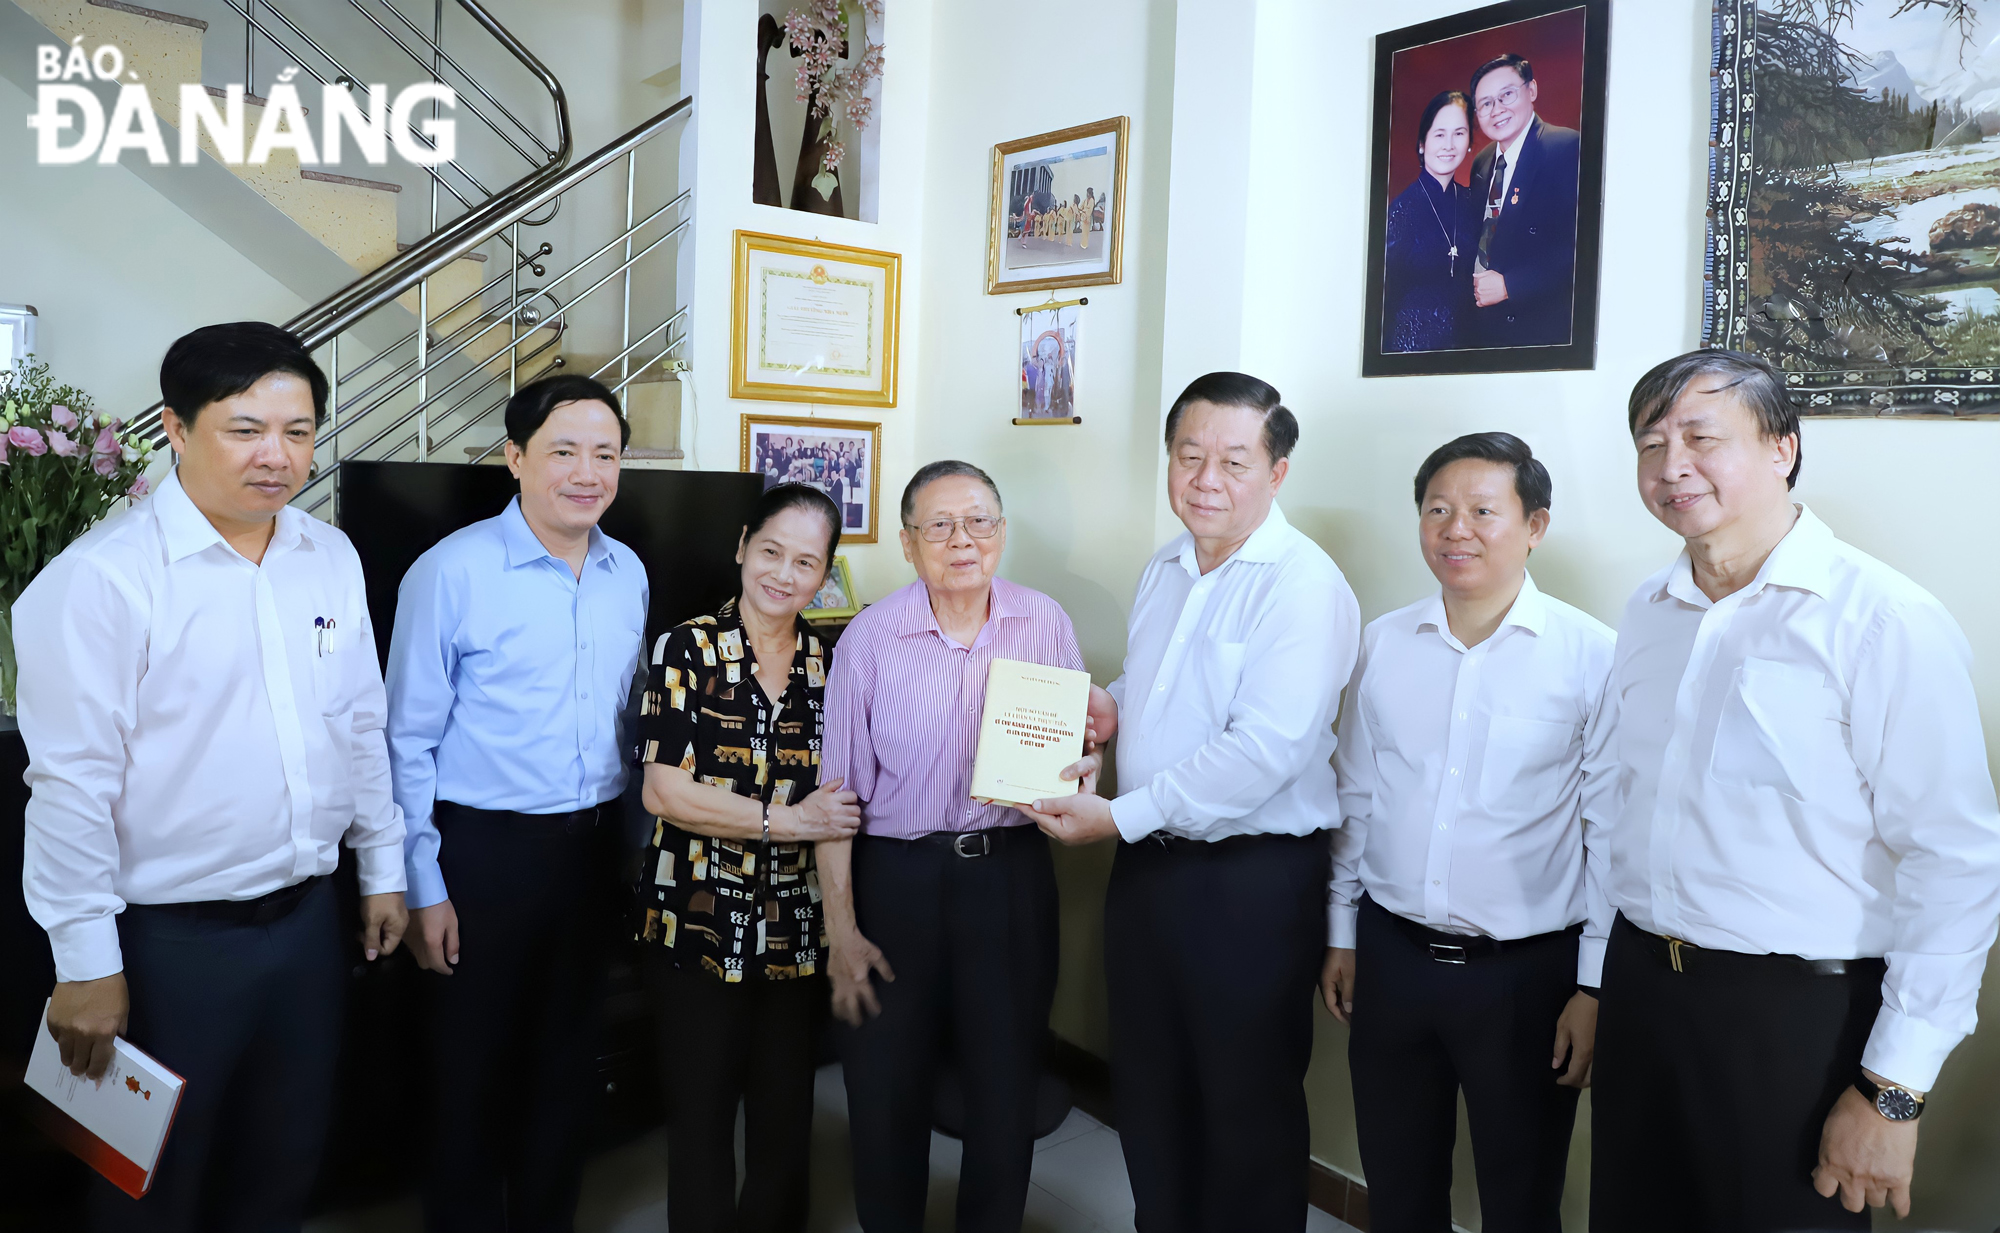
(508, 677)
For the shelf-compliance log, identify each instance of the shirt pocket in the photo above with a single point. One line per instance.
(1523, 749)
(1781, 728)
(1219, 671)
(333, 669)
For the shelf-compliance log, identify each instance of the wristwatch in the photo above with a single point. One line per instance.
(1898, 1104)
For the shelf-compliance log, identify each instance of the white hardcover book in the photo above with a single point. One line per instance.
(117, 1124)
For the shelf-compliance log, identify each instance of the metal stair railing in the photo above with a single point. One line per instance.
(403, 398)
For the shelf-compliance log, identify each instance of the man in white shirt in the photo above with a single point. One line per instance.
(1468, 878)
(1806, 860)
(203, 712)
(1242, 633)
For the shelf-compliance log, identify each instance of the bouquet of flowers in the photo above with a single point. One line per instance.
(818, 35)
(63, 465)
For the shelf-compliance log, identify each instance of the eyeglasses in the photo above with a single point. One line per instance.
(1506, 98)
(938, 530)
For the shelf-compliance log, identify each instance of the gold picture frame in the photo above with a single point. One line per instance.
(820, 452)
(1073, 162)
(814, 322)
(838, 578)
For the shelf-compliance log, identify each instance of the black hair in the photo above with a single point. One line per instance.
(1510, 60)
(1759, 386)
(1444, 99)
(1235, 389)
(221, 361)
(530, 406)
(931, 472)
(1531, 478)
(780, 497)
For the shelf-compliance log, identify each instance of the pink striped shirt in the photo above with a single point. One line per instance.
(903, 705)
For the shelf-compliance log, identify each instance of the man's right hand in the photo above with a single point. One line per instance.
(1336, 982)
(84, 1016)
(851, 960)
(433, 937)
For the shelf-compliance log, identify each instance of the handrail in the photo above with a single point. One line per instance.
(339, 311)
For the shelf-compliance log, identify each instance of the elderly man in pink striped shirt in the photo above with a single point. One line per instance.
(941, 913)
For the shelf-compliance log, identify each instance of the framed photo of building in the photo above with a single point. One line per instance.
(1057, 213)
(842, 458)
(1854, 211)
(814, 322)
(1486, 191)
(835, 600)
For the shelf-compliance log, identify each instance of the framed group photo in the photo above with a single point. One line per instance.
(814, 322)
(1486, 191)
(842, 458)
(1056, 217)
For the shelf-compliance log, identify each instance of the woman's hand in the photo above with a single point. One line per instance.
(827, 813)
(850, 962)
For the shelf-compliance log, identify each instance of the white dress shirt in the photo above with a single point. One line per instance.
(199, 727)
(1475, 782)
(1231, 682)
(1803, 773)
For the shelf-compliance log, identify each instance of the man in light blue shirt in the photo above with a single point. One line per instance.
(515, 647)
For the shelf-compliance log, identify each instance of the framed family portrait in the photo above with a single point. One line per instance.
(1486, 191)
(1048, 363)
(835, 600)
(813, 322)
(842, 458)
(1854, 204)
(1056, 217)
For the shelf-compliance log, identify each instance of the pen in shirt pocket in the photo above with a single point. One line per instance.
(323, 634)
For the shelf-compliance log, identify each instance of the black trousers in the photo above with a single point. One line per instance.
(723, 1045)
(250, 1015)
(972, 941)
(513, 1029)
(1713, 1084)
(1422, 1030)
(1212, 955)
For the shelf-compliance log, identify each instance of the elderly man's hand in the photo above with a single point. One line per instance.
(1083, 818)
(851, 962)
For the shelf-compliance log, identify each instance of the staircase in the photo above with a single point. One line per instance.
(428, 339)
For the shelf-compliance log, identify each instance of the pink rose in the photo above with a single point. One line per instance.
(63, 416)
(104, 464)
(106, 443)
(138, 489)
(22, 437)
(61, 444)
(3, 451)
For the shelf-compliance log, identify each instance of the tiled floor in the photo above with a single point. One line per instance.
(1079, 1183)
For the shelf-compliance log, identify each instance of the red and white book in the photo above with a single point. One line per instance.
(117, 1124)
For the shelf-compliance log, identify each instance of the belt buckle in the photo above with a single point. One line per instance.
(1438, 950)
(985, 844)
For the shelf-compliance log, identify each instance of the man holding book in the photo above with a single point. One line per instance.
(941, 913)
(1242, 634)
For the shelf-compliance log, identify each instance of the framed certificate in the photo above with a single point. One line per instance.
(814, 322)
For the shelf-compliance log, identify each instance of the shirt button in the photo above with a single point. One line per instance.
(585, 695)
(1441, 826)
(1436, 883)
(1454, 770)
(1461, 714)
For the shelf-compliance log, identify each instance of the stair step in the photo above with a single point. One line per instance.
(156, 14)
(307, 173)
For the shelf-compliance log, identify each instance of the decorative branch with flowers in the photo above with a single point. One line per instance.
(819, 38)
(63, 465)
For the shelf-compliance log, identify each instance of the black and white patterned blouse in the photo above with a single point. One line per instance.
(736, 908)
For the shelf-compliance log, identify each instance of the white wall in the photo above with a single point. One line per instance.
(117, 270)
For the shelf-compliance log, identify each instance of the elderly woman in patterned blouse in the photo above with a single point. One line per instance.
(730, 738)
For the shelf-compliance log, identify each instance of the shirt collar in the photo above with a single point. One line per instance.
(1803, 560)
(523, 546)
(1267, 543)
(917, 617)
(1530, 611)
(1513, 151)
(187, 530)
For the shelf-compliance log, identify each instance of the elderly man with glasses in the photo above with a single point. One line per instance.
(941, 913)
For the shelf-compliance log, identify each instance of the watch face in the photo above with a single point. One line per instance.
(1897, 1105)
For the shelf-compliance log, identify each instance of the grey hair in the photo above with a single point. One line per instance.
(1759, 386)
(948, 468)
